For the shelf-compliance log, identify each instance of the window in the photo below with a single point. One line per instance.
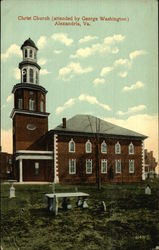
(131, 149)
(34, 55)
(131, 166)
(72, 146)
(117, 148)
(24, 75)
(36, 77)
(36, 168)
(72, 166)
(31, 75)
(20, 103)
(42, 106)
(31, 104)
(30, 53)
(103, 147)
(103, 166)
(88, 166)
(88, 147)
(118, 166)
(25, 53)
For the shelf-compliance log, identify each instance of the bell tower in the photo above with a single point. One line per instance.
(30, 119)
(32, 160)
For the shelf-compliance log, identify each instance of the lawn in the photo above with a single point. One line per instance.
(131, 220)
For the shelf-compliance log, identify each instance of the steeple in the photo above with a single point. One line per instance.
(29, 67)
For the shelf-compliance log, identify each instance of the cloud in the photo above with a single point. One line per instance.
(17, 74)
(100, 48)
(144, 124)
(137, 85)
(66, 105)
(72, 69)
(105, 71)
(98, 81)
(6, 140)
(14, 49)
(42, 61)
(57, 51)
(44, 72)
(62, 38)
(123, 74)
(136, 53)
(9, 98)
(93, 100)
(87, 39)
(123, 62)
(41, 43)
(132, 110)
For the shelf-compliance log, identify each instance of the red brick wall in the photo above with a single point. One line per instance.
(24, 138)
(81, 156)
(46, 172)
(5, 165)
(26, 95)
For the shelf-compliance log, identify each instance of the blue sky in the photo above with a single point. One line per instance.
(107, 69)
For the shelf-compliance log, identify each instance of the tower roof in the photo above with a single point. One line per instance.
(29, 42)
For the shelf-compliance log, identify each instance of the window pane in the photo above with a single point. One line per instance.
(36, 77)
(104, 147)
(24, 74)
(31, 53)
(31, 75)
(42, 106)
(71, 146)
(20, 103)
(25, 53)
(36, 168)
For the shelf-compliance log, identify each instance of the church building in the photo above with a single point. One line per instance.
(79, 150)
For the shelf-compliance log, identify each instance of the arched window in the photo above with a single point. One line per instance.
(88, 147)
(103, 148)
(37, 77)
(117, 148)
(25, 53)
(71, 146)
(34, 54)
(131, 149)
(42, 106)
(24, 75)
(31, 104)
(31, 72)
(31, 53)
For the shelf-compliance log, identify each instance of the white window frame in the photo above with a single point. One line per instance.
(25, 53)
(130, 162)
(31, 104)
(88, 151)
(36, 168)
(116, 147)
(41, 106)
(70, 142)
(31, 78)
(131, 146)
(116, 166)
(24, 75)
(20, 103)
(103, 143)
(90, 162)
(103, 161)
(31, 53)
(70, 166)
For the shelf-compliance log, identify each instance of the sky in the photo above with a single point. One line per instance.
(106, 68)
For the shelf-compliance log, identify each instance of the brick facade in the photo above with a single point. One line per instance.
(81, 156)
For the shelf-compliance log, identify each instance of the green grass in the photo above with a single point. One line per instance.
(131, 220)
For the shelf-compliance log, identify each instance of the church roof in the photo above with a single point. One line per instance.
(29, 42)
(91, 124)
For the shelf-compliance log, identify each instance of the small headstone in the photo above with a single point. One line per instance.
(79, 202)
(69, 207)
(148, 190)
(76, 189)
(12, 192)
(84, 205)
